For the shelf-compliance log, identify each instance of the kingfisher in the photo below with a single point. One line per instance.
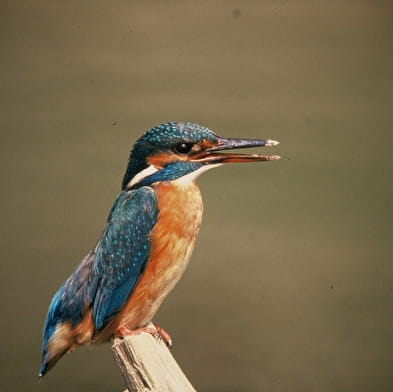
(146, 243)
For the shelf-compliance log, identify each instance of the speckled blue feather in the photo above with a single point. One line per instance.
(160, 138)
(123, 251)
(107, 275)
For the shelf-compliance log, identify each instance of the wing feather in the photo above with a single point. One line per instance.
(122, 252)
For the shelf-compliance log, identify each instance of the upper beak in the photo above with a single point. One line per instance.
(214, 155)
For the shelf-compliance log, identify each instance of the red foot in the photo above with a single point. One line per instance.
(123, 331)
(151, 328)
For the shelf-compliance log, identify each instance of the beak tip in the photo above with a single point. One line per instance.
(270, 143)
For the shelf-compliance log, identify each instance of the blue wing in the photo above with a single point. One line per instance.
(122, 252)
(107, 275)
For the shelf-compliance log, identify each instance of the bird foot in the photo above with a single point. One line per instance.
(164, 335)
(151, 328)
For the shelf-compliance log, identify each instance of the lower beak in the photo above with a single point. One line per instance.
(214, 155)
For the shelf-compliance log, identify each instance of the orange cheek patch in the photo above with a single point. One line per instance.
(160, 160)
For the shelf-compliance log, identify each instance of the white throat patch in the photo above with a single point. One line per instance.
(191, 177)
(141, 175)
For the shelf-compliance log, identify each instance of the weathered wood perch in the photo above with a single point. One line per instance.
(147, 365)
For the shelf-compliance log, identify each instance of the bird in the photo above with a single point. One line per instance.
(146, 242)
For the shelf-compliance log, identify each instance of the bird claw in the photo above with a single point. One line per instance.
(164, 335)
(152, 328)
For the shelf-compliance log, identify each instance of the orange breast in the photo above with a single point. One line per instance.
(172, 242)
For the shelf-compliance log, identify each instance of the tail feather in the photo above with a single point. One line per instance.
(49, 360)
(68, 322)
(55, 345)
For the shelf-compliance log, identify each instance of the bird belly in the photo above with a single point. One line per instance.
(172, 242)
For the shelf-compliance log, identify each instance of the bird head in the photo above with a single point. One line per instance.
(177, 149)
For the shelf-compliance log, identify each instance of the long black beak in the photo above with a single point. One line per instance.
(212, 155)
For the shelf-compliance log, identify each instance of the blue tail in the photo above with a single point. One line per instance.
(52, 319)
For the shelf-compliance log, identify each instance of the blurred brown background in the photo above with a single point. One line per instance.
(290, 286)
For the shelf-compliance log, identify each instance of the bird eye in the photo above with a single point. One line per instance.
(183, 148)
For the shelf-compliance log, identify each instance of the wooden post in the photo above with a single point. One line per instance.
(147, 365)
